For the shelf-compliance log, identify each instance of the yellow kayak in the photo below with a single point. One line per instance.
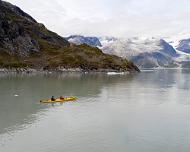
(59, 100)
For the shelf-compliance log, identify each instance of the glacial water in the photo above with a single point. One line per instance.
(146, 112)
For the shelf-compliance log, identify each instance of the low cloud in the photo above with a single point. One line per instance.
(124, 18)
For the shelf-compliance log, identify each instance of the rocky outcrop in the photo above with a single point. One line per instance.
(20, 34)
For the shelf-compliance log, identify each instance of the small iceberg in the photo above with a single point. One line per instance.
(115, 73)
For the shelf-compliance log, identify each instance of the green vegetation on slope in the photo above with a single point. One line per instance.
(83, 57)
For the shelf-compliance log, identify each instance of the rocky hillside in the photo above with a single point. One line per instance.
(21, 35)
(26, 43)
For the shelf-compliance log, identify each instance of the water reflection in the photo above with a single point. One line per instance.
(103, 101)
(15, 111)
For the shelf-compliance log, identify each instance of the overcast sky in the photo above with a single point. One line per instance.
(123, 18)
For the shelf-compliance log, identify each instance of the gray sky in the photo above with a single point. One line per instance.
(123, 18)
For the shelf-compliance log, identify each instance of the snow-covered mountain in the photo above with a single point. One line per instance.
(135, 46)
(184, 46)
(77, 39)
(181, 43)
(144, 52)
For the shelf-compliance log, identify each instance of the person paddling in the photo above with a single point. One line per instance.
(62, 98)
(52, 98)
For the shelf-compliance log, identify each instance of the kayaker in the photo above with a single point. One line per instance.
(62, 98)
(52, 98)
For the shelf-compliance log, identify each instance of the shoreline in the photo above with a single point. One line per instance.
(62, 70)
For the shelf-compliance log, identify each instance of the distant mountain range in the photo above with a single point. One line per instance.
(91, 41)
(144, 52)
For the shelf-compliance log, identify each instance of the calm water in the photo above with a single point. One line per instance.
(147, 112)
